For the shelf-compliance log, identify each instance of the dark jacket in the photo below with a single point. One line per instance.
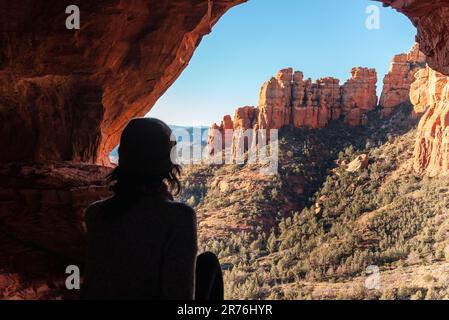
(142, 250)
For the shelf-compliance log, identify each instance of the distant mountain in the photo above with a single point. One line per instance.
(114, 153)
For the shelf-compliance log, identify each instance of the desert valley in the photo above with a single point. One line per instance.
(349, 196)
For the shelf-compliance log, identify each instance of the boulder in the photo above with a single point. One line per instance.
(359, 163)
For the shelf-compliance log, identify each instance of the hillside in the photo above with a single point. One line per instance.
(312, 231)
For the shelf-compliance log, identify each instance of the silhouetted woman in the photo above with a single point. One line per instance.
(141, 243)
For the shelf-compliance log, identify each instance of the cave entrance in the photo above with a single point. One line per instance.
(254, 40)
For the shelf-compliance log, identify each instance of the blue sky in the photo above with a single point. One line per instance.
(253, 41)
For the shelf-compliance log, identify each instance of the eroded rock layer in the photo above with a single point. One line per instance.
(431, 18)
(290, 100)
(397, 82)
(42, 208)
(430, 94)
(67, 94)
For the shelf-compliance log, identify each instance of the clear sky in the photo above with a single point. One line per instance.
(252, 41)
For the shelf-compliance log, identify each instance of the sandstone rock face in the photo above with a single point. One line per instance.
(359, 95)
(431, 18)
(315, 103)
(245, 118)
(67, 94)
(220, 136)
(275, 100)
(42, 232)
(397, 82)
(290, 100)
(430, 94)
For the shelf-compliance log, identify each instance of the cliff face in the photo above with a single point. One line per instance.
(67, 94)
(397, 82)
(275, 100)
(288, 99)
(431, 19)
(313, 104)
(430, 94)
(42, 230)
(220, 136)
(359, 95)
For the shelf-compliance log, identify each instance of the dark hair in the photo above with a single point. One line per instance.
(145, 165)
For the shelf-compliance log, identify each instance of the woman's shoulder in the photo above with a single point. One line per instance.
(95, 208)
(98, 205)
(180, 208)
(175, 211)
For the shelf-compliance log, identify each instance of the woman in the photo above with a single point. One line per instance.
(141, 243)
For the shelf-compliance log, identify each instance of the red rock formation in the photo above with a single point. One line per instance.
(66, 95)
(397, 82)
(41, 226)
(314, 104)
(430, 94)
(431, 18)
(275, 101)
(220, 137)
(288, 99)
(359, 95)
(245, 118)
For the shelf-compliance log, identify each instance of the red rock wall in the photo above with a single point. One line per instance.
(67, 94)
(41, 224)
(359, 95)
(431, 18)
(430, 94)
(397, 82)
(275, 101)
(289, 100)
